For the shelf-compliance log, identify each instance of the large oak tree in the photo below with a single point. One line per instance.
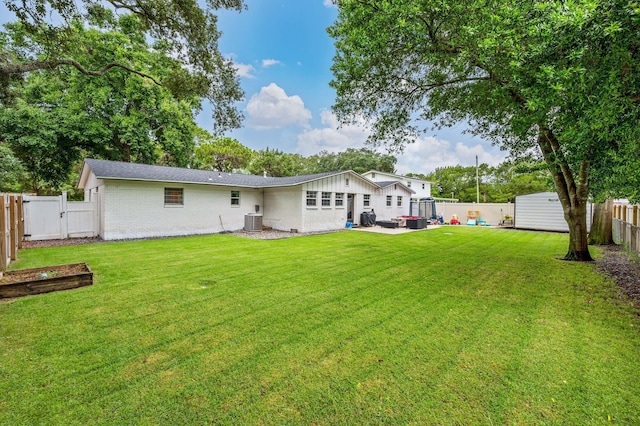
(551, 78)
(187, 28)
(57, 116)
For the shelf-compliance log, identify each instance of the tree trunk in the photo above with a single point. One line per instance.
(602, 225)
(576, 217)
(573, 193)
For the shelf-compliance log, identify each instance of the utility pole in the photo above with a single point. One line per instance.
(477, 183)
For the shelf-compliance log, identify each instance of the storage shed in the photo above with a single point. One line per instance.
(542, 211)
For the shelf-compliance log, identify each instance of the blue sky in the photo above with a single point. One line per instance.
(283, 55)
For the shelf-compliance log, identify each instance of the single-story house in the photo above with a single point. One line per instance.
(141, 201)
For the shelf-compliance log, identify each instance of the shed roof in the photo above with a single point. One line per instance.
(104, 169)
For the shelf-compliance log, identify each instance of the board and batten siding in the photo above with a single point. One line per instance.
(133, 209)
(385, 212)
(542, 211)
(326, 218)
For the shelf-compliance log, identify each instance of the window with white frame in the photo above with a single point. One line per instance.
(312, 198)
(366, 200)
(326, 199)
(235, 198)
(399, 200)
(409, 183)
(389, 200)
(339, 199)
(174, 196)
(346, 182)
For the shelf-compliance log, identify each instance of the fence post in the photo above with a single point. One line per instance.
(20, 222)
(13, 230)
(624, 214)
(635, 216)
(3, 234)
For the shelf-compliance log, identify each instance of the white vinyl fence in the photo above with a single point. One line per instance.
(52, 218)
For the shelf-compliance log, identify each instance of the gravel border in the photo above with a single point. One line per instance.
(260, 235)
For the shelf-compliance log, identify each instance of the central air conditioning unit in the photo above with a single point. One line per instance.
(253, 222)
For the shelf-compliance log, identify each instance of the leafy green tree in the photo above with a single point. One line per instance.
(276, 163)
(43, 142)
(513, 178)
(13, 176)
(223, 154)
(359, 160)
(52, 38)
(551, 78)
(59, 115)
(460, 182)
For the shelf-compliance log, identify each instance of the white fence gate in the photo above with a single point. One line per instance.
(51, 218)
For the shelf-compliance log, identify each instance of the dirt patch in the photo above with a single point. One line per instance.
(30, 275)
(623, 268)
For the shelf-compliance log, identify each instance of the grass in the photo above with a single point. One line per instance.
(450, 326)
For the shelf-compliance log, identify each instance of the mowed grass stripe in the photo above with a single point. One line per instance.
(440, 326)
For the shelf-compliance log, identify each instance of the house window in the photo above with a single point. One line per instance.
(326, 199)
(389, 200)
(339, 199)
(346, 182)
(312, 198)
(366, 200)
(399, 200)
(173, 196)
(409, 184)
(373, 175)
(423, 186)
(235, 198)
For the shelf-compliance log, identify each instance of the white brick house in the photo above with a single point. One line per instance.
(139, 201)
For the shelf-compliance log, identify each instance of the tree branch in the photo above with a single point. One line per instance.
(9, 69)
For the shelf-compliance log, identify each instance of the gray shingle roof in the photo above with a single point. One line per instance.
(387, 183)
(104, 169)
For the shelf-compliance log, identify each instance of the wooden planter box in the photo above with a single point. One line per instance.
(26, 282)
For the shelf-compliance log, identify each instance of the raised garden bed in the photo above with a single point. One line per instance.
(26, 282)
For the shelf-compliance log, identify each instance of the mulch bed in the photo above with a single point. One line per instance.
(619, 265)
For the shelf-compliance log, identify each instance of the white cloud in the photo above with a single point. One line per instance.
(331, 138)
(245, 70)
(266, 63)
(328, 3)
(422, 156)
(272, 108)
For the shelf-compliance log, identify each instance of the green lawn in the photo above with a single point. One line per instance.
(456, 325)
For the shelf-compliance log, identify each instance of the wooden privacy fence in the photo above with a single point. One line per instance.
(11, 228)
(625, 226)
